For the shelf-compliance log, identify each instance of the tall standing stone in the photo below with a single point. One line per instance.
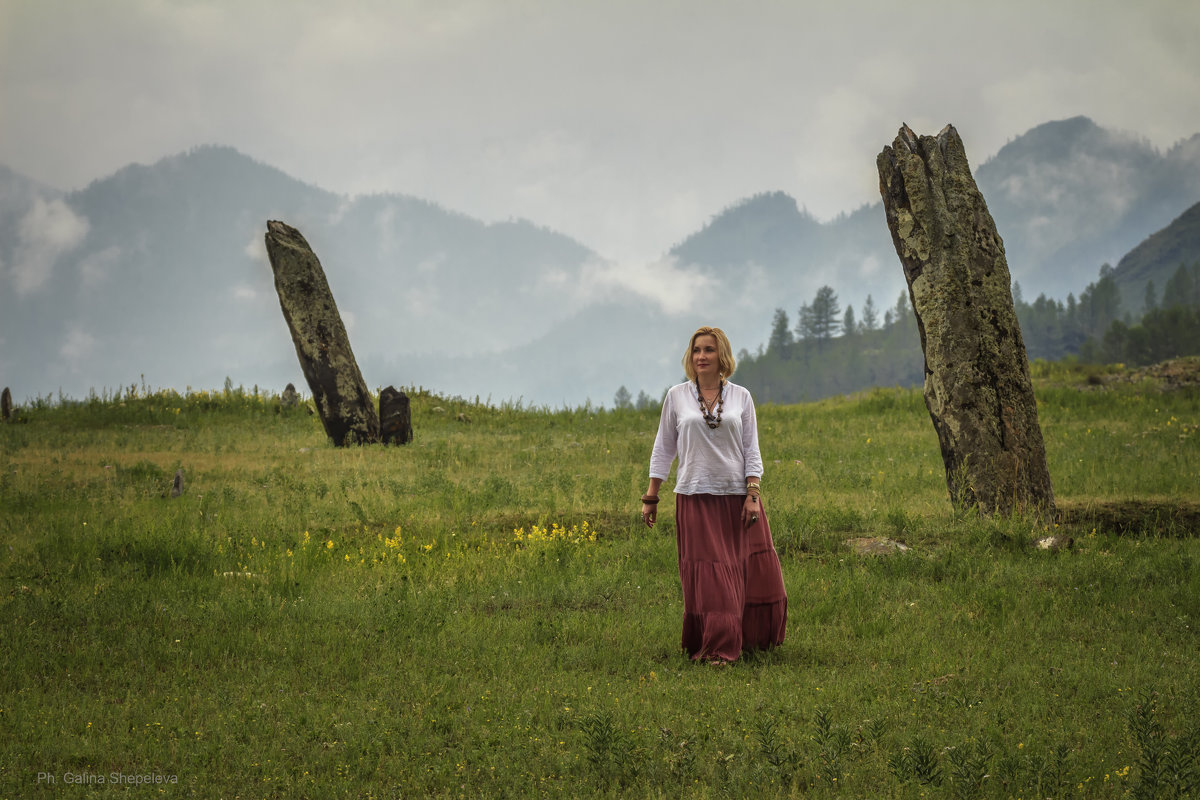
(6, 405)
(395, 417)
(977, 384)
(341, 395)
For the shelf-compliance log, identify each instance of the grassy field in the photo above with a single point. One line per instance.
(479, 614)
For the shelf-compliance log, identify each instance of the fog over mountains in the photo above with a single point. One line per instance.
(161, 271)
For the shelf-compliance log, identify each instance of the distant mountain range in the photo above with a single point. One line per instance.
(160, 271)
(1067, 197)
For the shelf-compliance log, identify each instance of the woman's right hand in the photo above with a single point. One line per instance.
(650, 510)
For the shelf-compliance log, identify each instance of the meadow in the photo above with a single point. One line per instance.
(481, 614)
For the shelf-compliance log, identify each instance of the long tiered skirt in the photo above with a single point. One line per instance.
(733, 593)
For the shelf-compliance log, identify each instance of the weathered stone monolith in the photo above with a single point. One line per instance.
(395, 417)
(343, 401)
(290, 398)
(6, 405)
(977, 384)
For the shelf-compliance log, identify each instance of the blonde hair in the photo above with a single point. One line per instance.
(725, 361)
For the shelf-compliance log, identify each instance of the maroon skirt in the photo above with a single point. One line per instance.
(733, 593)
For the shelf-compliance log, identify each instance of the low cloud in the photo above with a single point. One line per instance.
(666, 282)
(256, 251)
(245, 293)
(419, 301)
(48, 231)
(870, 267)
(77, 346)
(432, 264)
(96, 267)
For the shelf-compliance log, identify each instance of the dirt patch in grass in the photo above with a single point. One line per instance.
(1174, 374)
(1177, 373)
(1148, 517)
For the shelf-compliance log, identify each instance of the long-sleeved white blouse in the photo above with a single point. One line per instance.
(711, 460)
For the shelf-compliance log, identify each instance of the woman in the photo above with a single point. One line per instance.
(733, 594)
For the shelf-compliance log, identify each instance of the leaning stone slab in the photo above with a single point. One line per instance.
(339, 391)
(977, 384)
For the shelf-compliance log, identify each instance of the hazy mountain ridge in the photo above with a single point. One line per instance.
(1067, 197)
(17, 192)
(797, 253)
(1158, 257)
(161, 270)
(764, 229)
(1071, 196)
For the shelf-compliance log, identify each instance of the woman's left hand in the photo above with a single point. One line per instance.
(750, 511)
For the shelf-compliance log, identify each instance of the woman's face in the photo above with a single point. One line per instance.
(705, 359)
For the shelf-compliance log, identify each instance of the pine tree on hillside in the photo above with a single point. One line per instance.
(804, 323)
(849, 326)
(902, 314)
(1183, 288)
(780, 343)
(1162, 334)
(870, 318)
(1099, 304)
(825, 312)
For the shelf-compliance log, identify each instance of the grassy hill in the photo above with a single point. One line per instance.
(1157, 258)
(479, 614)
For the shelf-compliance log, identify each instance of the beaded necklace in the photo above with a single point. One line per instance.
(709, 419)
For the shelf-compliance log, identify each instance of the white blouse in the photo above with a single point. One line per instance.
(711, 460)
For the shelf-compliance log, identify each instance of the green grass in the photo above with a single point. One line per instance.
(306, 621)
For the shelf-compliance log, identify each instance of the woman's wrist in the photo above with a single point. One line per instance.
(649, 499)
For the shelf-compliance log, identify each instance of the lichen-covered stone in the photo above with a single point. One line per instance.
(339, 391)
(290, 397)
(395, 418)
(977, 384)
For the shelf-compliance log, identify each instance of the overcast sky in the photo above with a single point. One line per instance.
(626, 125)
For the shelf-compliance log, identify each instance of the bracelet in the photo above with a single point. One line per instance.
(754, 486)
(650, 499)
